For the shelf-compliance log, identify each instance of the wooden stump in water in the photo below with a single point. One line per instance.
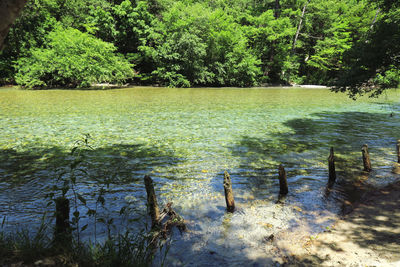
(366, 160)
(152, 202)
(398, 151)
(282, 181)
(62, 233)
(230, 201)
(332, 171)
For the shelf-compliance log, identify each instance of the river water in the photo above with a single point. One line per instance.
(185, 139)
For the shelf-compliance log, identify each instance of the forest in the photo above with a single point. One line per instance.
(353, 45)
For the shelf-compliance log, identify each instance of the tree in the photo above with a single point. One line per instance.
(71, 58)
(350, 43)
(29, 30)
(196, 45)
(329, 30)
(373, 64)
(9, 11)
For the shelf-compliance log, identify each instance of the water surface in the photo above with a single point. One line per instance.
(185, 139)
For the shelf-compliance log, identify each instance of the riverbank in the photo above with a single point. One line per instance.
(103, 86)
(367, 236)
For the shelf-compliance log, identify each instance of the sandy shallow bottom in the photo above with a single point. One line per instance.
(368, 236)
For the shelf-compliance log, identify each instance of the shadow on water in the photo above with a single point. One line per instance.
(304, 148)
(26, 177)
(125, 163)
(308, 208)
(343, 130)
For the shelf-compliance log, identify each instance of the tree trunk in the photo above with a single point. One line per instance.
(277, 9)
(366, 160)
(376, 16)
(299, 26)
(398, 151)
(154, 211)
(332, 171)
(283, 186)
(9, 11)
(62, 233)
(230, 201)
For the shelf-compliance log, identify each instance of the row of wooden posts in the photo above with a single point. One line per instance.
(283, 185)
(62, 228)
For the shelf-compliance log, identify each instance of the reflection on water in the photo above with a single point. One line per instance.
(185, 139)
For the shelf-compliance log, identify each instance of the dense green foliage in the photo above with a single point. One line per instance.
(71, 58)
(349, 43)
(373, 64)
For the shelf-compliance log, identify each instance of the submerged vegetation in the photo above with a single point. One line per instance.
(352, 44)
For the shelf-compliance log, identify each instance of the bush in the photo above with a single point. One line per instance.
(71, 58)
(389, 78)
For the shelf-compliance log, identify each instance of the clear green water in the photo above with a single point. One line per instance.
(185, 139)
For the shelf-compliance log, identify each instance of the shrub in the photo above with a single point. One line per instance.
(389, 78)
(71, 58)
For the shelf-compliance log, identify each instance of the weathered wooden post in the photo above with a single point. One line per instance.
(282, 181)
(332, 171)
(398, 151)
(154, 211)
(230, 201)
(62, 233)
(366, 160)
